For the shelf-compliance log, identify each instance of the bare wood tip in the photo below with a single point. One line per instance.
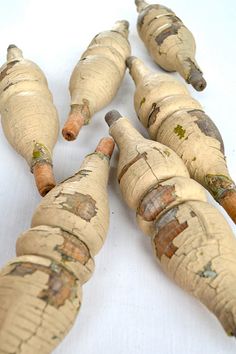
(73, 125)
(112, 117)
(197, 80)
(44, 178)
(141, 4)
(106, 146)
(11, 46)
(129, 61)
(124, 23)
(228, 202)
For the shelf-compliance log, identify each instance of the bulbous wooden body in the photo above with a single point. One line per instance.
(169, 42)
(40, 290)
(28, 114)
(172, 117)
(190, 238)
(97, 76)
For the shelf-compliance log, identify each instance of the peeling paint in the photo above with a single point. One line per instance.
(82, 205)
(4, 73)
(218, 185)
(73, 249)
(168, 228)
(155, 201)
(207, 271)
(206, 126)
(100, 155)
(77, 176)
(153, 114)
(170, 31)
(145, 12)
(132, 162)
(61, 284)
(40, 154)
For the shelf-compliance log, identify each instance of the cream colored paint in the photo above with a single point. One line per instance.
(28, 114)
(29, 324)
(204, 262)
(177, 49)
(201, 153)
(98, 75)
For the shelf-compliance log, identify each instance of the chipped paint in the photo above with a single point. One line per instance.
(207, 271)
(218, 185)
(4, 72)
(73, 249)
(153, 114)
(60, 285)
(207, 127)
(170, 31)
(131, 163)
(168, 228)
(155, 201)
(41, 154)
(82, 205)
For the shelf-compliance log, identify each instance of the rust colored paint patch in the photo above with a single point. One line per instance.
(153, 114)
(60, 286)
(82, 205)
(170, 31)
(73, 249)
(8, 67)
(132, 162)
(22, 269)
(207, 127)
(168, 228)
(156, 201)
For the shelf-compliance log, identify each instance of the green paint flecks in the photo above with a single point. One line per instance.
(167, 152)
(36, 154)
(178, 130)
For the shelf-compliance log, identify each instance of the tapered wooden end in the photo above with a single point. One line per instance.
(112, 117)
(106, 146)
(228, 202)
(44, 177)
(73, 125)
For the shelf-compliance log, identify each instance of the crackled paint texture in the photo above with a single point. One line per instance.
(96, 78)
(169, 42)
(29, 118)
(40, 290)
(174, 118)
(190, 238)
